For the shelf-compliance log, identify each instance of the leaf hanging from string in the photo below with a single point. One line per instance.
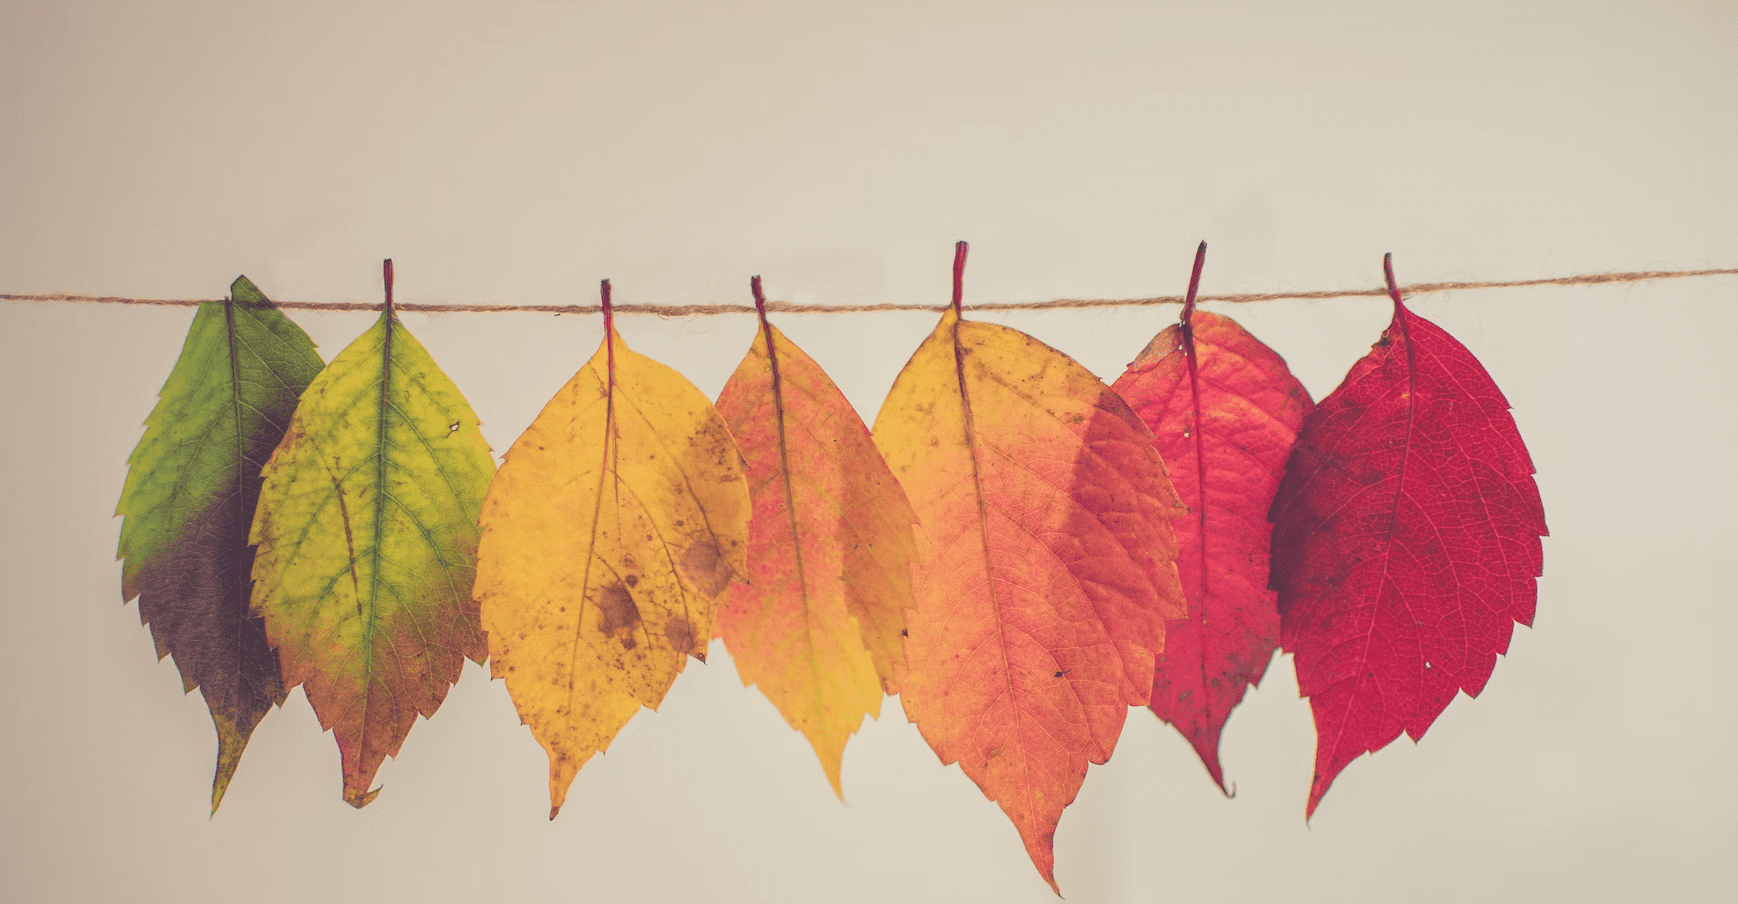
(1047, 563)
(1405, 541)
(830, 549)
(1224, 412)
(367, 533)
(618, 520)
(191, 490)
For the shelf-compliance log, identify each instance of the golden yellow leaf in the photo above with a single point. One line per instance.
(610, 534)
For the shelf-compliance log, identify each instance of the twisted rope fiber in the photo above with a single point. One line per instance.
(786, 307)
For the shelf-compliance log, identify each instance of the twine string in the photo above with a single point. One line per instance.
(787, 307)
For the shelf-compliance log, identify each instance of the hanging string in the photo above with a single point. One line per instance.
(787, 307)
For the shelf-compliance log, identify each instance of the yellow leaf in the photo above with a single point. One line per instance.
(610, 534)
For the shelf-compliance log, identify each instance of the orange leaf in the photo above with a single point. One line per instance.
(830, 548)
(1047, 563)
(610, 532)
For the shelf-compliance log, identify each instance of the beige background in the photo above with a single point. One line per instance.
(521, 153)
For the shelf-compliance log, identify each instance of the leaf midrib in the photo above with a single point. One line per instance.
(784, 463)
(371, 624)
(970, 426)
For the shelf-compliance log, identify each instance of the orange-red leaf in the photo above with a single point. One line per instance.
(1046, 563)
(830, 548)
(1224, 412)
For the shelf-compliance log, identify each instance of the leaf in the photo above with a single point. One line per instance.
(617, 521)
(1405, 541)
(190, 494)
(1224, 412)
(367, 533)
(830, 548)
(1046, 563)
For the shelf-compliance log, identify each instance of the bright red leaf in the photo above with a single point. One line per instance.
(1405, 541)
(1224, 412)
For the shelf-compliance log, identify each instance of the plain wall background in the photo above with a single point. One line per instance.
(519, 153)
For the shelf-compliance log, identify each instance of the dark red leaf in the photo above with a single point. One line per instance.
(1405, 542)
(1224, 412)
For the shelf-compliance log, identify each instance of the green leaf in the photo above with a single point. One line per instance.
(190, 494)
(367, 533)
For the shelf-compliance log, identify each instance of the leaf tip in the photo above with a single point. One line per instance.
(243, 290)
(561, 773)
(360, 799)
(1318, 789)
(231, 741)
(837, 783)
(1217, 773)
(220, 782)
(830, 751)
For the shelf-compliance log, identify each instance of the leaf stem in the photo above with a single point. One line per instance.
(386, 274)
(609, 329)
(1195, 430)
(1388, 273)
(959, 274)
(1194, 284)
(759, 297)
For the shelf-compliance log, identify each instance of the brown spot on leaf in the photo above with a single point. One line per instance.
(704, 567)
(680, 634)
(617, 613)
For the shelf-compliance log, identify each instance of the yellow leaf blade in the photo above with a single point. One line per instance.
(615, 524)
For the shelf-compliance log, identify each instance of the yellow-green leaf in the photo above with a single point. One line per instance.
(367, 533)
